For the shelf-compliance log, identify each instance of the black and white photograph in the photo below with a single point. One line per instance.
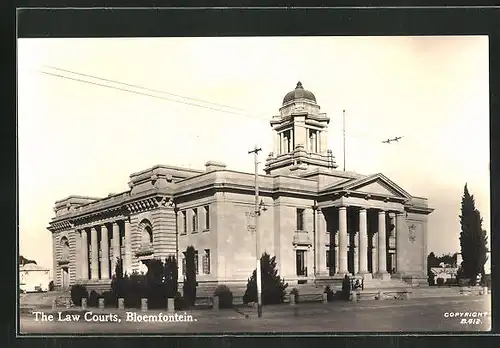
(189, 185)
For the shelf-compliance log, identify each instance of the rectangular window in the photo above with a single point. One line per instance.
(206, 262)
(300, 258)
(207, 217)
(184, 222)
(300, 219)
(328, 259)
(196, 262)
(183, 263)
(195, 220)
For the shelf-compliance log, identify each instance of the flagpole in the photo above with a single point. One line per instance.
(343, 134)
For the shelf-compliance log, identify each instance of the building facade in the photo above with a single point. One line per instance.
(319, 222)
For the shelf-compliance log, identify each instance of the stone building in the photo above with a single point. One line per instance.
(319, 222)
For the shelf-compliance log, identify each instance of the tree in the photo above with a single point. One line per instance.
(190, 278)
(472, 239)
(273, 287)
(170, 273)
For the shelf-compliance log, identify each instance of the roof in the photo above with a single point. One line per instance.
(32, 267)
(299, 93)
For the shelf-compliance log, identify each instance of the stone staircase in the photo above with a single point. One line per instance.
(380, 284)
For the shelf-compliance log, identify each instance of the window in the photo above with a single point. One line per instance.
(206, 262)
(300, 258)
(184, 222)
(313, 140)
(195, 220)
(196, 262)
(330, 260)
(207, 217)
(184, 263)
(300, 219)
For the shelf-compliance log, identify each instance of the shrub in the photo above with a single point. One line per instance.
(440, 281)
(180, 302)
(78, 292)
(486, 281)
(190, 279)
(329, 293)
(110, 299)
(51, 286)
(346, 288)
(295, 292)
(225, 296)
(93, 300)
(450, 281)
(273, 287)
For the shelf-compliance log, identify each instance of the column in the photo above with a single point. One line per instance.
(355, 253)
(84, 258)
(343, 240)
(321, 242)
(374, 253)
(382, 252)
(104, 253)
(363, 242)
(127, 265)
(94, 249)
(276, 144)
(116, 245)
(400, 222)
(337, 253)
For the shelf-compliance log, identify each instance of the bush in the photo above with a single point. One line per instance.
(180, 302)
(78, 292)
(225, 296)
(329, 293)
(51, 286)
(110, 299)
(440, 281)
(295, 292)
(346, 288)
(93, 300)
(190, 283)
(273, 287)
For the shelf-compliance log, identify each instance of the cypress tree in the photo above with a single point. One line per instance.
(472, 239)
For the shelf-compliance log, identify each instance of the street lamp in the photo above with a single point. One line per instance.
(314, 208)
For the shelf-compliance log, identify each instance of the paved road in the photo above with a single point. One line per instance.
(367, 316)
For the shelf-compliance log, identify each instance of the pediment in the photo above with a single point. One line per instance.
(377, 185)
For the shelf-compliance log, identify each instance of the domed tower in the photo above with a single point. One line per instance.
(300, 139)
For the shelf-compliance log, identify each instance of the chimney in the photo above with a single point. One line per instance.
(213, 165)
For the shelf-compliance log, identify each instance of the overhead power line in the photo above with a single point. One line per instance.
(144, 88)
(364, 137)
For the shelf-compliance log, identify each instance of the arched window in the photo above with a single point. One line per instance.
(146, 234)
(64, 248)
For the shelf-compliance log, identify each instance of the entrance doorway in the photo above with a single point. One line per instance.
(300, 265)
(65, 278)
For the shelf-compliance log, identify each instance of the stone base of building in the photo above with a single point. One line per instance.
(382, 276)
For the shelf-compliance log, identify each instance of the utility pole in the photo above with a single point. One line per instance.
(343, 134)
(258, 271)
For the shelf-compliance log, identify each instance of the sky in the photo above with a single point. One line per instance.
(78, 138)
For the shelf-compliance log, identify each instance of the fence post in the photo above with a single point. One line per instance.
(380, 295)
(84, 303)
(101, 303)
(170, 304)
(292, 299)
(121, 303)
(144, 304)
(325, 297)
(54, 304)
(215, 301)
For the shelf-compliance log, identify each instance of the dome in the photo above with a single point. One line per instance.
(299, 93)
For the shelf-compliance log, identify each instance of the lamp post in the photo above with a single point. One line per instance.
(314, 208)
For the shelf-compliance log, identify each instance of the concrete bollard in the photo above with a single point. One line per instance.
(170, 304)
(101, 303)
(215, 303)
(84, 303)
(144, 304)
(354, 296)
(325, 298)
(292, 299)
(380, 295)
(121, 303)
(485, 290)
(54, 304)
